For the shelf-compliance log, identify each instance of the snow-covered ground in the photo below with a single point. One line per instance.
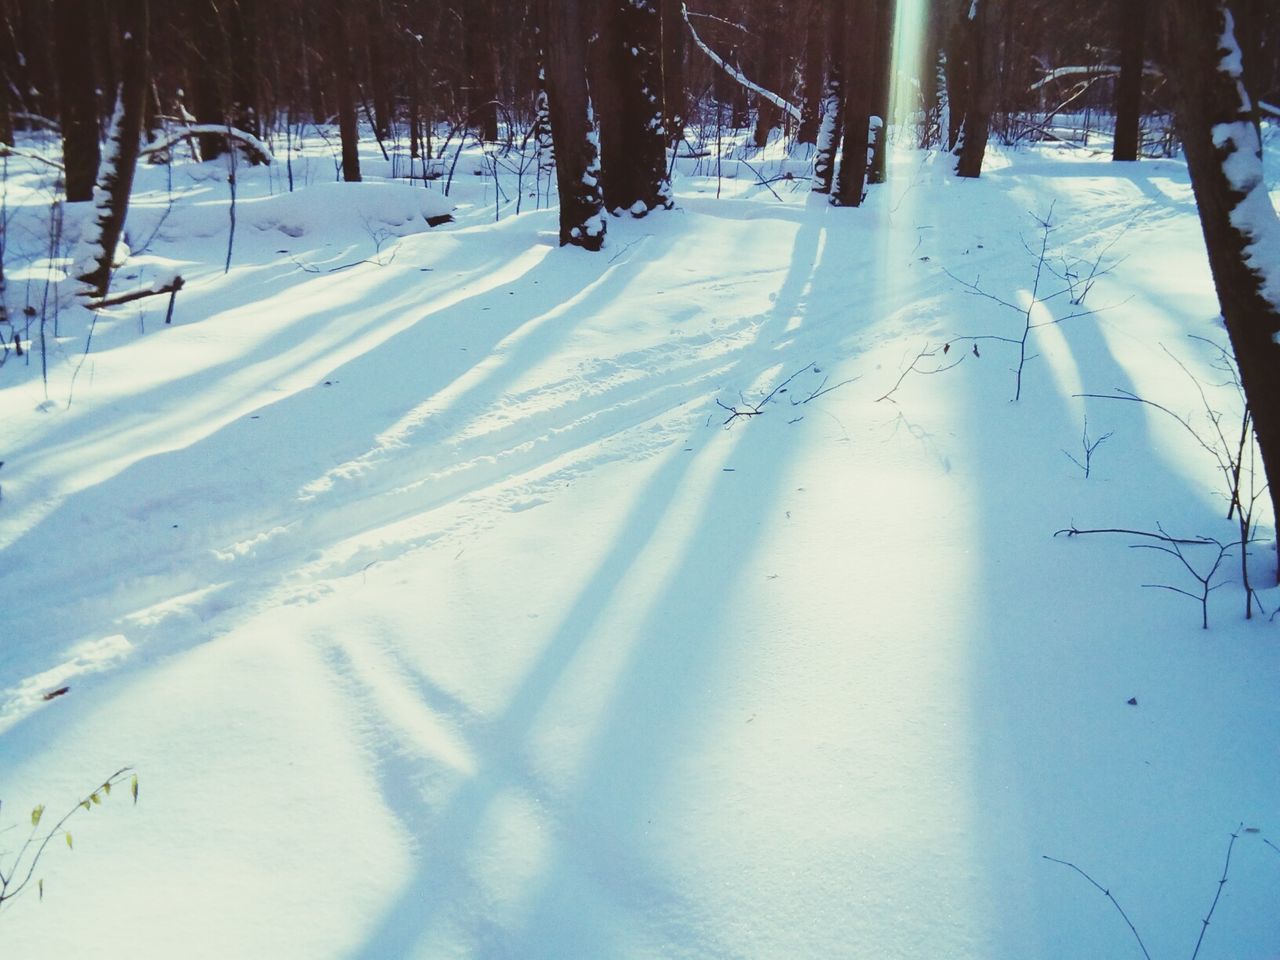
(441, 614)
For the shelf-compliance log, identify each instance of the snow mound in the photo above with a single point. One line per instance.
(399, 208)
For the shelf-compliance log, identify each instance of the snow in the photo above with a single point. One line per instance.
(419, 577)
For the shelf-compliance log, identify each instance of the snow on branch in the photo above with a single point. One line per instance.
(8, 151)
(1092, 70)
(777, 101)
(260, 152)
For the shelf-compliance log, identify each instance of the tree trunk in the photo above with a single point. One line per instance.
(123, 144)
(210, 98)
(1133, 28)
(344, 83)
(244, 69)
(582, 220)
(814, 79)
(674, 102)
(78, 100)
(975, 46)
(629, 85)
(832, 123)
(882, 90)
(1216, 121)
(859, 40)
(379, 70)
(482, 68)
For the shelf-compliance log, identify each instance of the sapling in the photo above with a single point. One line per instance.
(18, 869)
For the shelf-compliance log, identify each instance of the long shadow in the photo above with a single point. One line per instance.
(168, 519)
(1063, 765)
(644, 731)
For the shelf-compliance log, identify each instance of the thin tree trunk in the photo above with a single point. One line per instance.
(379, 70)
(1217, 123)
(1129, 86)
(340, 74)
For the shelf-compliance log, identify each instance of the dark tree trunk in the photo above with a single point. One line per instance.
(832, 122)
(123, 144)
(210, 98)
(482, 67)
(859, 59)
(1133, 28)
(78, 99)
(379, 70)
(582, 220)
(975, 47)
(245, 69)
(343, 86)
(814, 72)
(674, 101)
(1216, 121)
(8, 73)
(314, 41)
(881, 86)
(768, 25)
(629, 85)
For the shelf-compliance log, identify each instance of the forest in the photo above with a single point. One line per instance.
(639, 479)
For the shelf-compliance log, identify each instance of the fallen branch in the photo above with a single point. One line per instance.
(735, 73)
(173, 286)
(8, 151)
(258, 151)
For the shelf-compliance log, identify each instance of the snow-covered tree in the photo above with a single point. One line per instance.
(115, 179)
(1217, 123)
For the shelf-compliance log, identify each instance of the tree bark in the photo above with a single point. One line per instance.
(1216, 121)
(582, 220)
(1133, 28)
(77, 98)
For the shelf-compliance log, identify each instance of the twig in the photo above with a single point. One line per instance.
(928, 350)
(1221, 883)
(1114, 902)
